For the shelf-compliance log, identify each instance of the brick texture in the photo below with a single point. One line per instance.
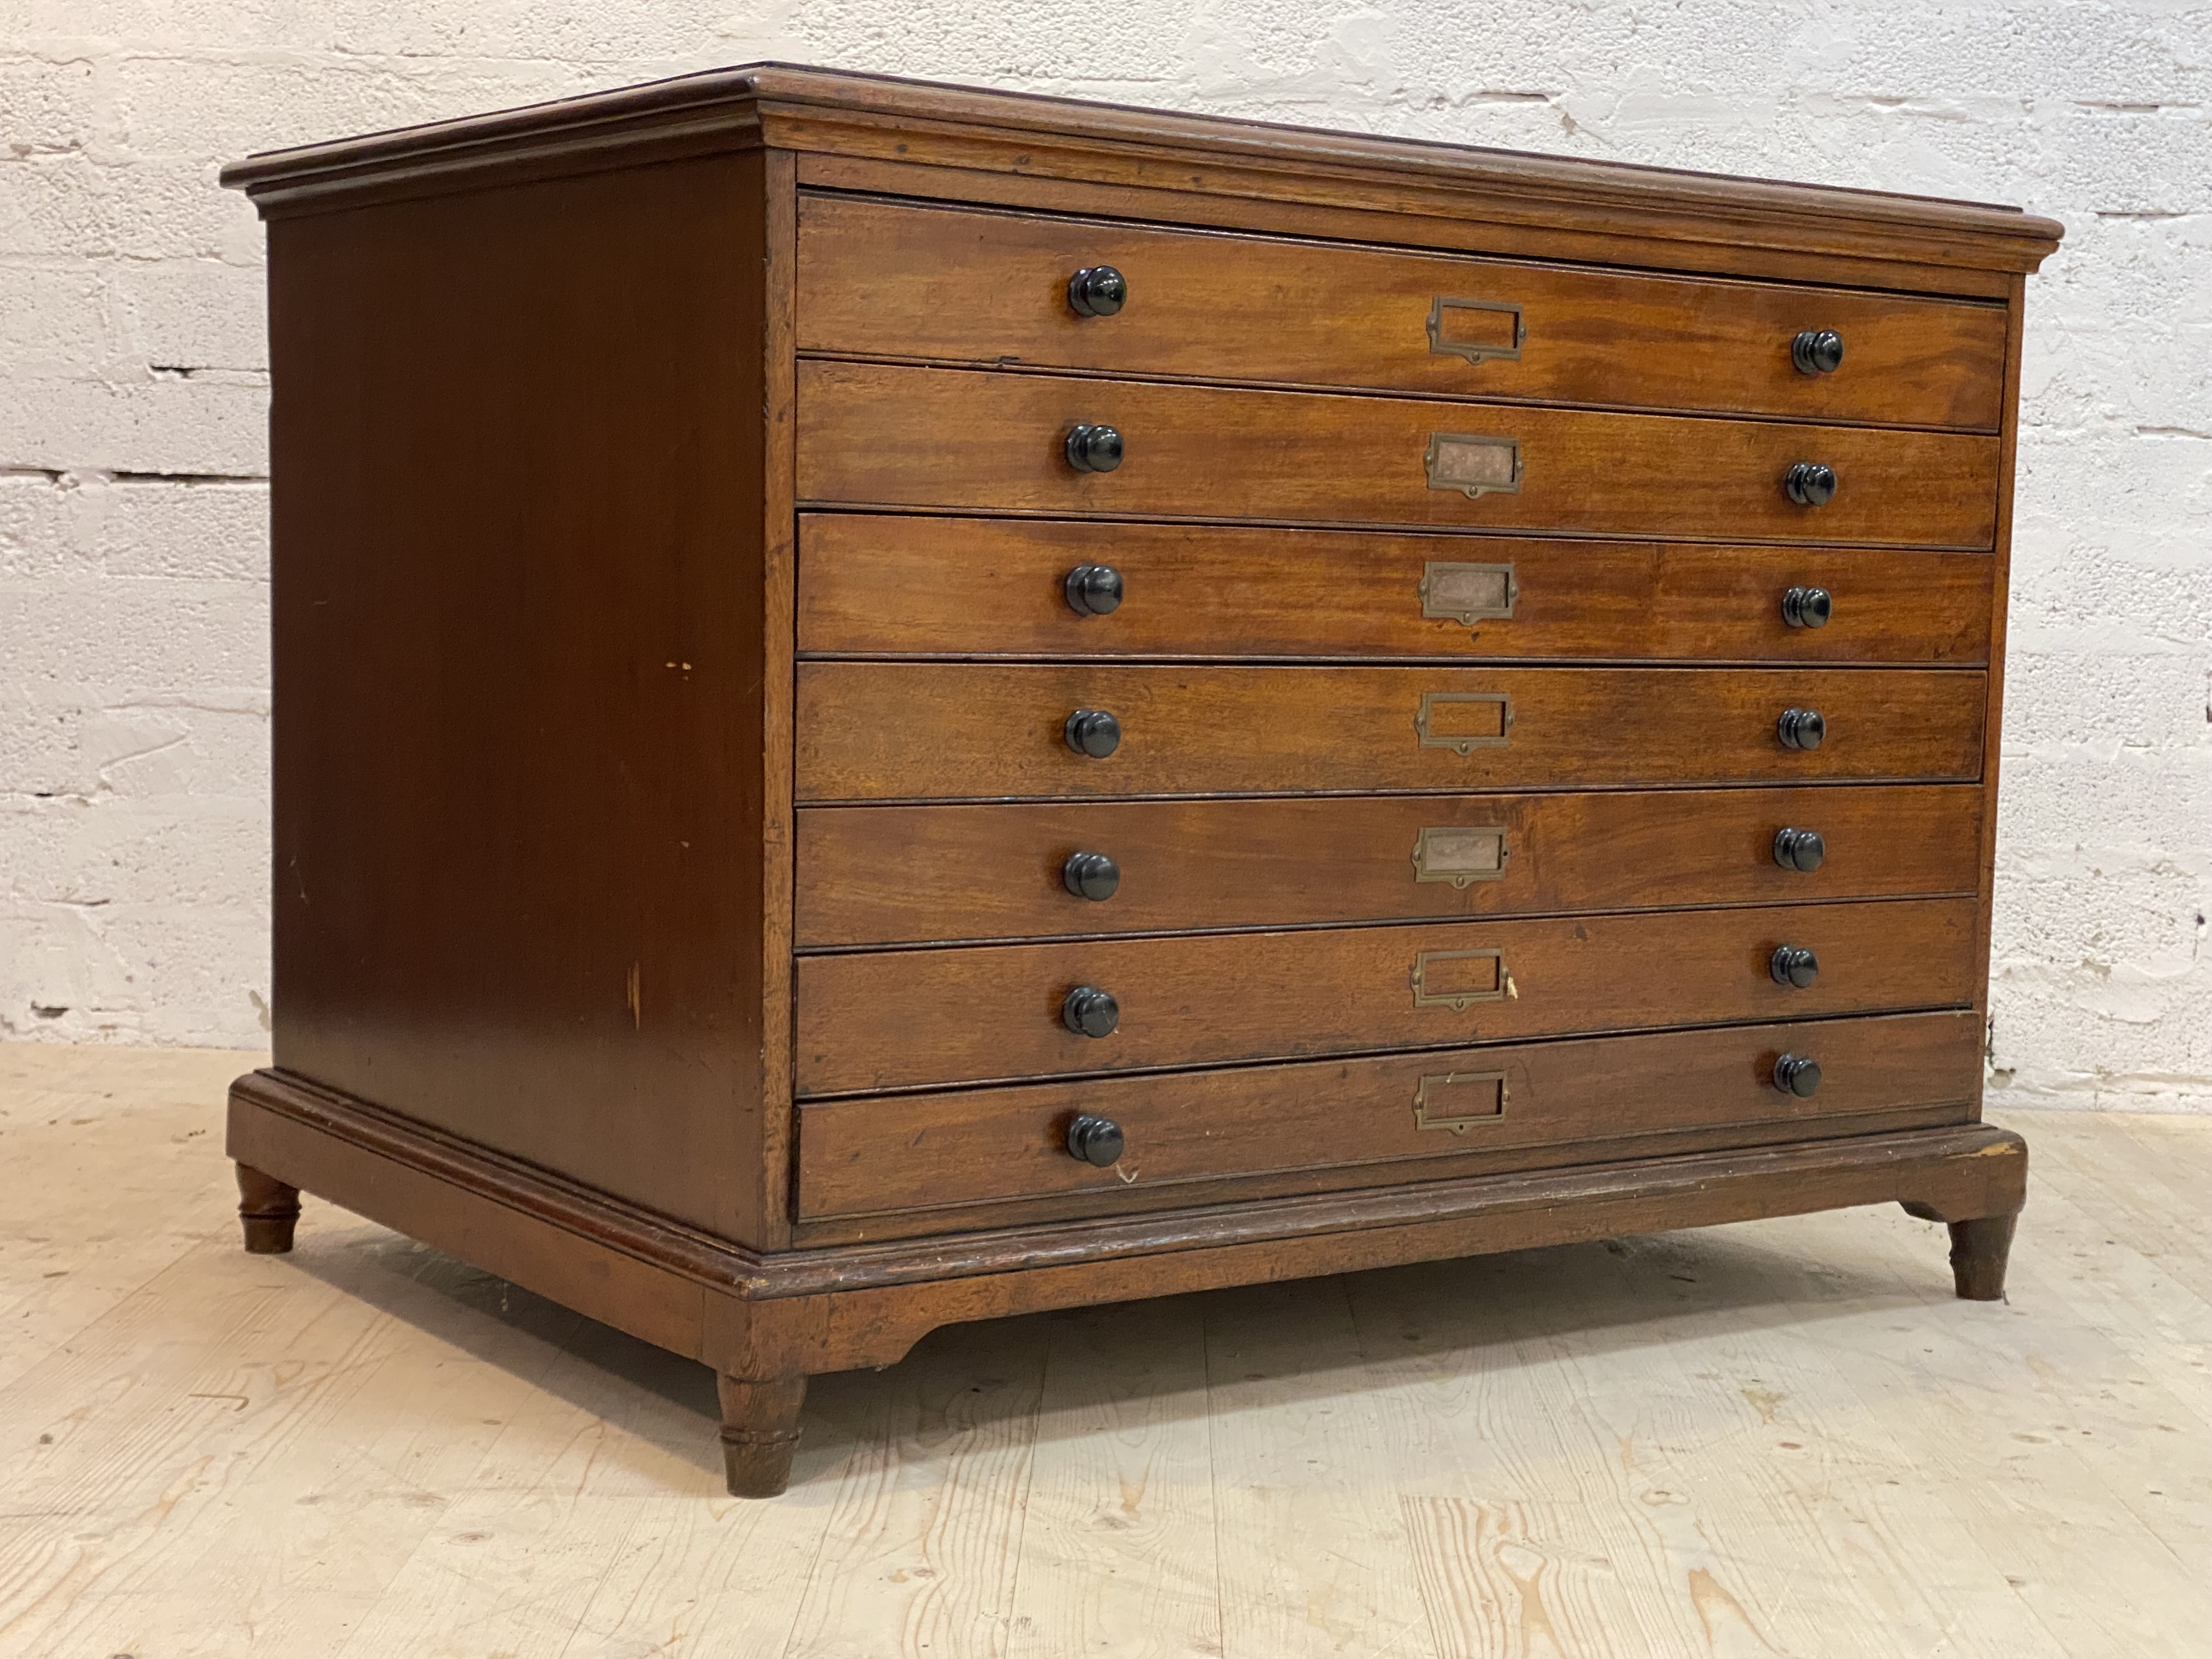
(134, 707)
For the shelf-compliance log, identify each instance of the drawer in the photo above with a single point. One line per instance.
(873, 435)
(901, 1019)
(1369, 1121)
(875, 584)
(886, 875)
(881, 279)
(953, 731)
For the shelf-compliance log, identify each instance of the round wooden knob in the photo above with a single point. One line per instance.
(1801, 728)
(1095, 590)
(1797, 1075)
(1095, 1141)
(1088, 1012)
(1093, 732)
(1093, 448)
(1100, 290)
(1809, 484)
(1807, 607)
(1091, 876)
(1795, 966)
(1817, 351)
(1799, 850)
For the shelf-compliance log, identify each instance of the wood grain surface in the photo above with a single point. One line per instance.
(890, 436)
(1993, 718)
(1140, 194)
(961, 142)
(933, 1152)
(874, 584)
(919, 731)
(916, 1019)
(821, 1305)
(520, 788)
(1132, 1202)
(770, 488)
(882, 875)
(892, 280)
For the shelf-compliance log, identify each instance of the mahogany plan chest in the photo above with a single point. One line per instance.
(898, 704)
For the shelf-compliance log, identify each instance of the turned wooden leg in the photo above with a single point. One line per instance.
(760, 1432)
(266, 1209)
(1979, 1251)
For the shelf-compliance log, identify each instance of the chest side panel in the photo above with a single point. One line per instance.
(517, 602)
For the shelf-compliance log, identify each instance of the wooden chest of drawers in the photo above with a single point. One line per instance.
(897, 705)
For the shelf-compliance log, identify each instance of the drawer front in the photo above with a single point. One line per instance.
(878, 279)
(888, 585)
(906, 1020)
(1394, 1118)
(889, 435)
(886, 875)
(947, 730)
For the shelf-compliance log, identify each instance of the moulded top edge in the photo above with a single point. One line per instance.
(816, 109)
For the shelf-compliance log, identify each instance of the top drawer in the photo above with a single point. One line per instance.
(883, 280)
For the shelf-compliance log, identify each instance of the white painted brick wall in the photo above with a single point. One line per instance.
(133, 702)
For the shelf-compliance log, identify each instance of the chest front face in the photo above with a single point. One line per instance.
(1367, 649)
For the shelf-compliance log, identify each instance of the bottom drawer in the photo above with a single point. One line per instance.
(1399, 1117)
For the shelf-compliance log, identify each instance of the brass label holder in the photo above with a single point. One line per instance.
(1432, 721)
(1474, 351)
(1474, 462)
(1458, 1123)
(1468, 594)
(1435, 985)
(1447, 852)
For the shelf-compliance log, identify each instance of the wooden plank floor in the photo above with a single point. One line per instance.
(1778, 1439)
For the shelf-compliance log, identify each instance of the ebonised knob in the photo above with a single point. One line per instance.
(1098, 449)
(1091, 876)
(1095, 733)
(1804, 607)
(1799, 850)
(1100, 290)
(1094, 590)
(1817, 351)
(1088, 1012)
(1795, 966)
(1095, 1141)
(1798, 728)
(1809, 484)
(1797, 1075)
